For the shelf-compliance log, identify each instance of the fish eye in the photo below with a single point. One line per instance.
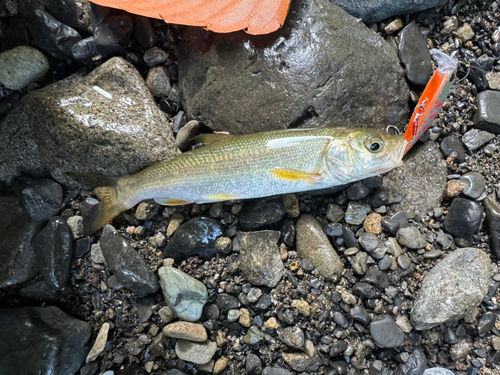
(374, 145)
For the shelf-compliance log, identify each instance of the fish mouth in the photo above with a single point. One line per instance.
(400, 152)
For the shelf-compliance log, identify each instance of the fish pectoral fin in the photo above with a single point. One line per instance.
(208, 139)
(309, 178)
(222, 197)
(171, 201)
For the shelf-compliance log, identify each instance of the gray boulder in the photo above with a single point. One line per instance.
(323, 67)
(452, 288)
(106, 122)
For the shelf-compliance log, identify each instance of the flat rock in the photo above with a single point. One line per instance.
(333, 86)
(260, 260)
(19, 263)
(260, 212)
(386, 333)
(21, 66)
(421, 180)
(414, 55)
(127, 264)
(99, 344)
(314, 245)
(415, 365)
(199, 353)
(186, 331)
(474, 138)
(301, 362)
(108, 115)
(39, 198)
(487, 116)
(411, 238)
(37, 333)
(185, 296)
(54, 251)
(464, 218)
(454, 286)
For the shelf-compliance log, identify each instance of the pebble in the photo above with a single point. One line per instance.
(474, 138)
(492, 210)
(334, 213)
(453, 189)
(302, 362)
(186, 331)
(455, 285)
(372, 223)
(233, 315)
(21, 66)
(377, 278)
(99, 344)
(226, 302)
(253, 365)
(404, 323)
(452, 145)
(338, 348)
(185, 296)
(461, 349)
(356, 213)
(144, 33)
(84, 49)
(486, 323)
(158, 81)
(415, 365)
(487, 116)
(349, 238)
(314, 245)
(194, 352)
(359, 263)
(451, 24)
(411, 238)
(224, 245)
(155, 56)
(112, 35)
(245, 318)
(386, 333)
(303, 307)
(438, 371)
(127, 264)
(393, 247)
(433, 254)
(294, 337)
(359, 314)
(340, 319)
(390, 225)
(464, 218)
(253, 295)
(258, 213)
(175, 222)
(414, 55)
(291, 202)
(76, 225)
(81, 247)
(186, 134)
(357, 191)
(146, 210)
(333, 229)
(404, 261)
(166, 315)
(394, 26)
(365, 290)
(495, 342)
(271, 323)
(96, 254)
(465, 32)
(220, 365)
(253, 336)
(351, 251)
(275, 371)
(475, 184)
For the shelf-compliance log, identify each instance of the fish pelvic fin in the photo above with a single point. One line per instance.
(309, 178)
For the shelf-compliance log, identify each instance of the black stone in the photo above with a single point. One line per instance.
(390, 225)
(339, 367)
(113, 34)
(333, 229)
(377, 278)
(84, 49)
(81, 247)
(51, 340)
(359, 314)
(486, 323)
(451, 144)
(373, 182)
(464, 218)
(144, 32)
(416, 364)
(349, 238)
(340, 319)
(357, 191)
(259, 213)
(414, 54)
(275, 371)
(127, 264)
(226, 302)
(54, 251)
(264, 302)
(39, 198)
(365, 290)
(449, 336)
(211, 311)
(487, 116)
(338, 348)
(253, 365)
(89, 209)
(288, 232)
(75, 14)
(196, 236)
(386, 333)
(492, 209)
(477, 76)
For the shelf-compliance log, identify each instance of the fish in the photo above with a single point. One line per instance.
(254, 165)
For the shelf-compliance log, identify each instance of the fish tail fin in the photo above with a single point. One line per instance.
(110, 206)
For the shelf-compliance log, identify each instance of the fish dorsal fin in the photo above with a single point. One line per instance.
(208, 139)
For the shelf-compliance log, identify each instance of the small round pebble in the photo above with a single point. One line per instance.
(373, 224)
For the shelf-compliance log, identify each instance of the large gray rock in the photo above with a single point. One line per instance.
(321, 68)
(106, 122)
(421, 180)
(377, 10)
(452, 288)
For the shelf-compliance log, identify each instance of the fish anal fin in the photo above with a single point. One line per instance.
(309, 178)
(171, 201)
(208, 139)
(222, 197)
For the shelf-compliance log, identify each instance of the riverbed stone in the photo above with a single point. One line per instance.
(487, 116)
(39, 198)
(195, 352)
(333, 86)
(111, 115)
(492, 210)
(186, 331)
(452, 288)
(386, 333)
(314, 245)
(414, 55)
(261, 212)
(21, 66)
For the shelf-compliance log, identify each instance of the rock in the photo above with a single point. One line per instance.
(378, 10)
(411, 238)
(220, 365)
(84, 49)
(492, 209)
(365, 290)
(486, 323)
(144, 32)
(81, 247)
(166, 315)
(373, 223)
(99, 344)
(461, 349)
(259, 213)
(333, 230)
(96, 254)
(493, 79)
(301, 362)
(226, 302)
(475, 184)
(46, 132)
(196, 236)
(51, 35)
(414, 54)
(386, 333)
(294, 337)
(54, 251)
(21, 66)
(334, 213)
(39, 198)
(253, 336)
(357, 191)
(184, 295)
(260, 260)
(126, 264)
(377, 278)
(451, 145)
(359, 314)
(340, 320)
(253, 365)
(453, 287)
(359, 263)
(155, 56)
(313, 244)
(356, 213)
(186, 134)
(293, 91)
(112, 35)
(453, 189)
(416, 364)
(338, 348)
(421, 180)
(291, 202)
(146, 210)
(77, 14)
(158, 81)
(465, 32)
(76, 225)
(438, 371)
(186, 331)
(199, 353)
(37, 333)
(275, 371)
(487, 116)
(404, 261)
(19, 262)
(474, 138)
(464, 218)
(394, 26)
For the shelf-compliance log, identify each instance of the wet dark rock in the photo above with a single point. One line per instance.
(334, 212)
(39, 198)
(379, 198)
(38, 333)
(51, 35)
(486, 323)
(21, 66)
(253, 365)
(474, 138)
(357, 191)
(377, 278)
(487, 116)
(264, 302)
(333, 229)
(356, 213)
(477, 76)
(81, 247)
(226, 302)
(288, 232)
(76, 13)
(451, 145)
(452, 288)
(19, 263)
(294, 91)
(84, 49)
(492, 209)
(54, 251)
(113, 34)
(340, 319)
(390, 225)
(196, 236)
(211, 311)
(359, 314)
(378, 10)
(144, 32)
(414, 54)
(449, 336)
(158, 81)
(373, 182)
(46, 133)
(464, 218)
(386, 333)
(259, 213)
(260, 260)
(421, 180)
(416, 364)
(370, 242)
(365, 290)
(338, 348)
(349, 238)
(475, 184)
(411, 238)
(126, 264)
(155, 56)
(294, 337)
